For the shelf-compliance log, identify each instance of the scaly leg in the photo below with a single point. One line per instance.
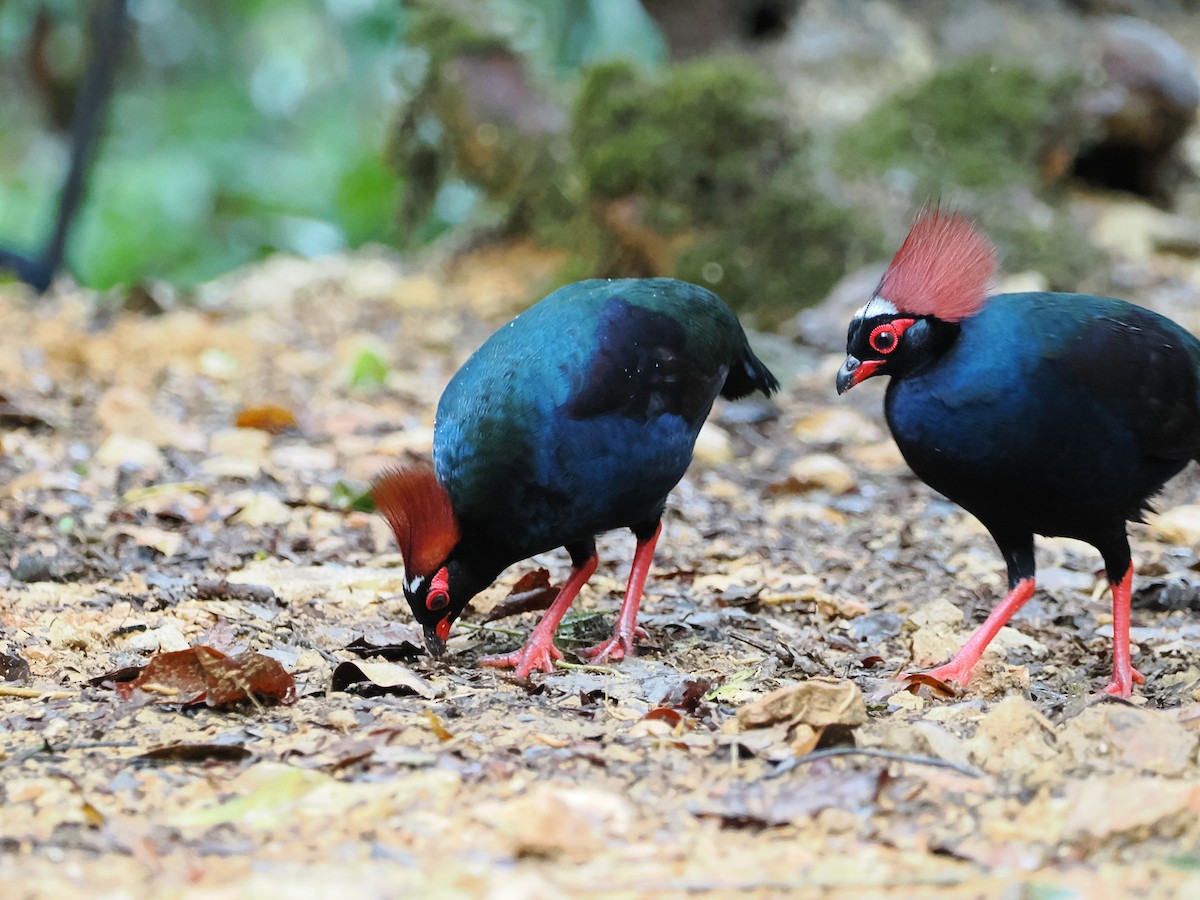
(620, 645)
(1124, 674)
(959, 668)
(539, 651)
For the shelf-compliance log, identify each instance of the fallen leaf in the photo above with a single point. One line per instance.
(808, 709)
(391, 678)
(393, 642)
(13, 668)
(194, 753)
(202, 674)
(532, 592)
(271, 419)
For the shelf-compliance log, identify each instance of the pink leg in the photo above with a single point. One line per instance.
(620, 645)
(959, 668)
(539, 651)
(1124, 674)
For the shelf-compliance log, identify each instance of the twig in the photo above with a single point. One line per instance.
(586, 667)
(490, 629)
(784, 767)
(34, 693)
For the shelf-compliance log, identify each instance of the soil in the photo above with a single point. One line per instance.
(799, 556)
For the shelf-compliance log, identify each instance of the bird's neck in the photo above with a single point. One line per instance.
(937, 342)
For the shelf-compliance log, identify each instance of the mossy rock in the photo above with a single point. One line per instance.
(1059, 249)
(705, 135)
(977, 124)
(786, 250)
(707, 153)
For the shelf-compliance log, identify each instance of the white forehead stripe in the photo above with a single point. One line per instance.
(415, 584)
(877, 306)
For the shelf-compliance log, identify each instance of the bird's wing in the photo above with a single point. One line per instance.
(641, 368)
(1142, 368)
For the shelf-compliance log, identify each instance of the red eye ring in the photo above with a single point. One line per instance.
(439, 591)
(886, 337)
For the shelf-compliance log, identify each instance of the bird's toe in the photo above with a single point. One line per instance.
(614, 649)
(534, 656)
(1122, 684)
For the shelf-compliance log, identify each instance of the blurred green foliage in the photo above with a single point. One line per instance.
(235, 130)
(633, 166)
(309, 126)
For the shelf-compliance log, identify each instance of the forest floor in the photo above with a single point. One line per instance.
(799, 553)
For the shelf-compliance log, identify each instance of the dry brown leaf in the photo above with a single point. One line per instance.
(271, 419)
(204, 675)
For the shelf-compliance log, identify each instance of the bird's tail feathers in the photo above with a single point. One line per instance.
(747, 375)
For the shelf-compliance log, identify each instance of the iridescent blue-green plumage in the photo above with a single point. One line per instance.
(1055, 414)
(1052, 414)
(1039, 413)
(580, 415)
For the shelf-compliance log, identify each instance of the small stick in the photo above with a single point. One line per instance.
(34, 693)
(784, 767)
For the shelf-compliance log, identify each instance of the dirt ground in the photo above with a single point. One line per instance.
(799, 553)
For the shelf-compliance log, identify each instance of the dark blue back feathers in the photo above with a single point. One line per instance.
(580, 415)
(1064, 411)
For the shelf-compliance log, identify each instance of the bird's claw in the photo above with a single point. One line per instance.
(616, 648)
(535, 655)
(1122, 687)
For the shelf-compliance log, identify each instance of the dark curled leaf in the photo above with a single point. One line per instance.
(117, 676)
(531, 593)
(13, 668)
(935, 684)
(396, 642)
(193, 753)
(13, 416)
(666, 714)
(226, 590)
(385, 678)
(688, 695)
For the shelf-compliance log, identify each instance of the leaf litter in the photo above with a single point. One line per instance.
(194, 480)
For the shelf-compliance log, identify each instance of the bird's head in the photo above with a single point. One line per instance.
(418, 508)
(938, 277)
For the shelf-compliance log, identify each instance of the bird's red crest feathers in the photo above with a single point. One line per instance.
(942, 269)
(419, 511)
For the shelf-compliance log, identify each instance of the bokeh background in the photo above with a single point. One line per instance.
(765, 148)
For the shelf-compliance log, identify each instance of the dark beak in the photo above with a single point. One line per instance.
(848, 375)
(433, 644)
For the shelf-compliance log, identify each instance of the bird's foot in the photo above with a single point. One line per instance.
(957, 671)
(536, 654)
(1122, 686)
(616, 648)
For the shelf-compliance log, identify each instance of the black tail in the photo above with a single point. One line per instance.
(747, 375)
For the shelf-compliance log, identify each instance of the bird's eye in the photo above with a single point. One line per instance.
(439, 591)
(884, 338)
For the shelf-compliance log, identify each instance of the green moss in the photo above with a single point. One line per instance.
(976, 124)
(785, 251)
(705, 136)
(709, 156)
(1061, 251)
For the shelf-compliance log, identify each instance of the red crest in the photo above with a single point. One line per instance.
(419, 511)
(942, 269)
